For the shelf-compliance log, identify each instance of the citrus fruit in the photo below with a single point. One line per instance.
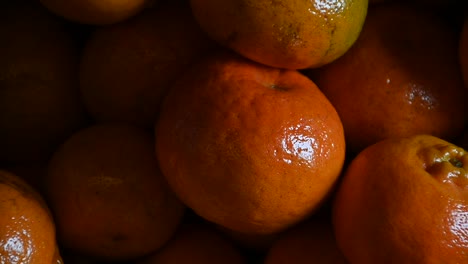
(408, 79)
(252, 148)
(27, 231)
(404, 200)
(126, 68)
(285, 34)
(108, 196)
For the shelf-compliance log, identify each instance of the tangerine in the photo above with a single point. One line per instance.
(252, 148)
(108, 196)
(284, 34)
(404, 200)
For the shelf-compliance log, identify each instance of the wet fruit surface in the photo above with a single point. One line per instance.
(249, 147)
(291, 34)
(27, 232)
(236, 131)
(408, 193)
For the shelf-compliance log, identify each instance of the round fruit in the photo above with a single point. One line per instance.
(285, 34)
(126, 68)
(404, 200)
(252, 148)
(401, 78)
(27, 231)
(108, 196)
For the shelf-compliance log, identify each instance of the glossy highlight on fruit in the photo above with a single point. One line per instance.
(252, 148)
(285, 34)
(401, 78)
(410, 194)
(233, 131)
(108, 196)
(27, 230)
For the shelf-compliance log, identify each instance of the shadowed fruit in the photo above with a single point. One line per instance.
(310, 242)
(250, 241)
(39, 98)
(401, 78)
(27, 231)
(404, 200)
(252, 148)
(127, 68)
(108, 196)
(285, 34)
(196, 244)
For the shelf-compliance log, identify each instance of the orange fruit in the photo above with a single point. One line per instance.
(27, 231)
(283, 34)
(126, 68)
(251, 148)
(197, 244)
(96, 12)
(39, 97)
(408, 80)
(463, 51)
(404, 200)
(310, 242)
(108, 196)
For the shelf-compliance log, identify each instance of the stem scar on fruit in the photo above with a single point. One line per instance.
(446, 162)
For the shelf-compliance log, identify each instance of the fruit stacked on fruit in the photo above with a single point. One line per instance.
(236, 131)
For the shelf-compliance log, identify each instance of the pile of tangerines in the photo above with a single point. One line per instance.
(234, 131)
